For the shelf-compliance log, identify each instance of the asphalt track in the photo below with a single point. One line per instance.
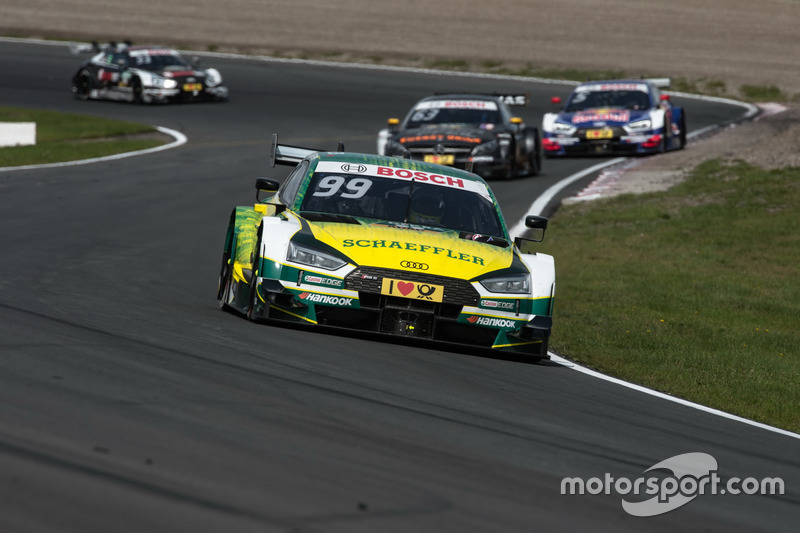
(130, 402)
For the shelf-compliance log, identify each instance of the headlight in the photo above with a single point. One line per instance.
(645, 124)
(163, 83)
(517, 284)
(213, 77)
(308, 256)
(564, 129)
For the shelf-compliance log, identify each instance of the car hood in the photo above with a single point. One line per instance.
(606, 115)
(447, 134)
(414, 248)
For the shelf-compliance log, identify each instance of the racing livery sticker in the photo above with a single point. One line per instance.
(325, 299)
(458, 104)
(498, 304)
(413, 290)
(592, 87)
(599, 115)
(322, 280)
(379, 171)
(492, 322)
(413, 246)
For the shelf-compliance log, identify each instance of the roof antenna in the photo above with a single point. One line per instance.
(340, 148)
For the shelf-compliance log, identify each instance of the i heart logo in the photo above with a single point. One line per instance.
(405, 287)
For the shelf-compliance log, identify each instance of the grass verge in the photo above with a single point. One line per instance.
(693, 291)
(69, 137)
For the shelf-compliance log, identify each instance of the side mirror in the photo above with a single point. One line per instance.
(268, 185)
(517, 121)
(538, 225)
(392, 122)
(556, 100)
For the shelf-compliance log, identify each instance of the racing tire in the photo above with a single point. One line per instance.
(256, 310)
(535, 157)
(137, 91)
(225, 282)
(682, 126)
(83, 86)
(513, 164)
(252, 299)
(253, 312)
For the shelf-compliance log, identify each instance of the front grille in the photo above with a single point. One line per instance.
(369, 280)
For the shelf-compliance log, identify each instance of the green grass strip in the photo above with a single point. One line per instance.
(69, 137)
(694, 291)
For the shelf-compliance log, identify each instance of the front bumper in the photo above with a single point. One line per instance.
(465, 317)
(159, 95)
(621, 143)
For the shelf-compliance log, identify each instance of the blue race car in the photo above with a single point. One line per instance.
(614, 117)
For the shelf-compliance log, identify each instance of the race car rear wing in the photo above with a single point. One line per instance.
(285, 154)
(661, 83)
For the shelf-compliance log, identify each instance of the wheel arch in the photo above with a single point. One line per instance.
(242, 233)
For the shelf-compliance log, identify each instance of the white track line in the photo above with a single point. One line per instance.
(179, 137)
(583, 370)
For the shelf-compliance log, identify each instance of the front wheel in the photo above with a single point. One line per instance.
(535, 155)
(254, 305)
(224, 288)
(682, 126)
(83, 86)
(138, 91)
(256, 309)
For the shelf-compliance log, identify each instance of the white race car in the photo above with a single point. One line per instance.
(144, 74)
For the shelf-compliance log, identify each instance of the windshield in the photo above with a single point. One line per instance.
(402, 200)
(580, 101)
(478, 112)
(157, 60)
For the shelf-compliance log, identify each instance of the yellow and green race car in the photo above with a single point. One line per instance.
(387, 245)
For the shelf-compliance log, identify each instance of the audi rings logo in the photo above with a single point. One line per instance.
(359, 169)
(412, 264)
